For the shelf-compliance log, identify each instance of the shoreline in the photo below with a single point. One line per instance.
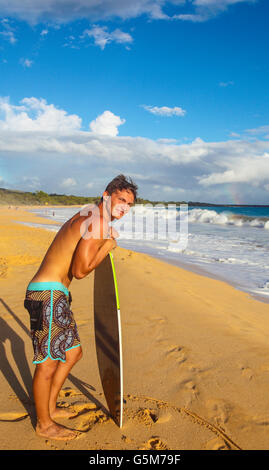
(203, 272)
(183, 265)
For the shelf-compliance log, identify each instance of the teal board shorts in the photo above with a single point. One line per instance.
(53, 327)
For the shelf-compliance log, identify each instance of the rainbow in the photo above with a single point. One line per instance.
(234, 194)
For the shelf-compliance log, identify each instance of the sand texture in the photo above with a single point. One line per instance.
(195, 355)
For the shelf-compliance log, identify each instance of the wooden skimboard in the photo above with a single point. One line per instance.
(107, 326)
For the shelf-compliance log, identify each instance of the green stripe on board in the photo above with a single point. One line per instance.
(115, 280)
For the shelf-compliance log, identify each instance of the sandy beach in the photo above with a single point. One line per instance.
(195, 354)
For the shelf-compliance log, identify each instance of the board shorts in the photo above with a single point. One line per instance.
(53, 327)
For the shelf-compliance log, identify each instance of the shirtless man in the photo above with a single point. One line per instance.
(77, 249)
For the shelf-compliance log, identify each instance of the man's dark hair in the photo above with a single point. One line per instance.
(121, 182)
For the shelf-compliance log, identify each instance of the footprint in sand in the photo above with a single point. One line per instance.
(178, 353)
(247, 372)
(189, 389)
(162, 412)
(91, 419)
(154, 443)
(152, 414)
(82, 408)
(145, 416)
(156, 320)
(89, 415)
(219, 411)
(217, 444)
(164, 417)
(261, 420)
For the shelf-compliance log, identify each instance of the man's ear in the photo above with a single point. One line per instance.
(105, 195)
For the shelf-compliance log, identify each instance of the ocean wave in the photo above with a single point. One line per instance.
(226, 218)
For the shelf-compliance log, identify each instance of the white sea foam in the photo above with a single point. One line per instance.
(226, 218)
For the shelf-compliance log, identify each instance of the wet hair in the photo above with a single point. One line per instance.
(119, 183)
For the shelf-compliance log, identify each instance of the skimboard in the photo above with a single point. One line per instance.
(108, 343)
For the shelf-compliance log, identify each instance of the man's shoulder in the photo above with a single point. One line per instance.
(91, 223)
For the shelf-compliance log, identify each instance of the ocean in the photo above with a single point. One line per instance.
(230, 243)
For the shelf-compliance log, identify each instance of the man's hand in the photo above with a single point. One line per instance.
(114, 234)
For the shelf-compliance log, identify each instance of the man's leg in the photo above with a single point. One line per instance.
(42, 385)
(61, 373)
(41, 389)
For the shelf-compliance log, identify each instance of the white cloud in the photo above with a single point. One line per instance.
(218, 4)
(194, 18)
(7, 32)
(243, 169)
(102, 36)
(37, 136)
(171, 189)
(167, 141)
(27, 63)
(234, 134)
(165, 110)
(258, 130)
(32, 182)
(226, 84)
(34, 11)
(37, 10)
(8, 36)
(203, 10)
(67, 182)
(35, 114)
(106, 124)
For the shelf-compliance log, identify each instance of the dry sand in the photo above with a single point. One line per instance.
(195, 350)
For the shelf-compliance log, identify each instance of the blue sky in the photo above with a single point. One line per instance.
(173, 93)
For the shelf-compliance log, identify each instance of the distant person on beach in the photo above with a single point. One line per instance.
(77, 249)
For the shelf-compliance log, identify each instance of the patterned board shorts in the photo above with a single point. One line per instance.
(53, 327)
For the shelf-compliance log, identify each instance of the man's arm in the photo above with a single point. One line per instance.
(91, 251)
(89, 254)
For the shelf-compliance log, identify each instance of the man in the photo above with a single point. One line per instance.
(78, 248)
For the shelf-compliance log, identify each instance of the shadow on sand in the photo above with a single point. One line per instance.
(25, 394)
(18, 352)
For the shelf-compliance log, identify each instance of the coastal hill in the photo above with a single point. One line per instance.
(16, 197)
(37, 198)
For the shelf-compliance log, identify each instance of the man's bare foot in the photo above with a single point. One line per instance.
(56, 431)
(61, 412)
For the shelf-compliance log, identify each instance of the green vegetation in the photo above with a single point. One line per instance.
(15, 197)
(40, 198)
(12, 197)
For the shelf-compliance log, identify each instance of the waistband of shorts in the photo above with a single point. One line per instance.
(40, 286)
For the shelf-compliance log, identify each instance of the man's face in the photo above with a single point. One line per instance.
(121, 202)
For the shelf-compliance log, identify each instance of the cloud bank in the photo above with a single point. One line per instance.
(45, 147)
(36, 11)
